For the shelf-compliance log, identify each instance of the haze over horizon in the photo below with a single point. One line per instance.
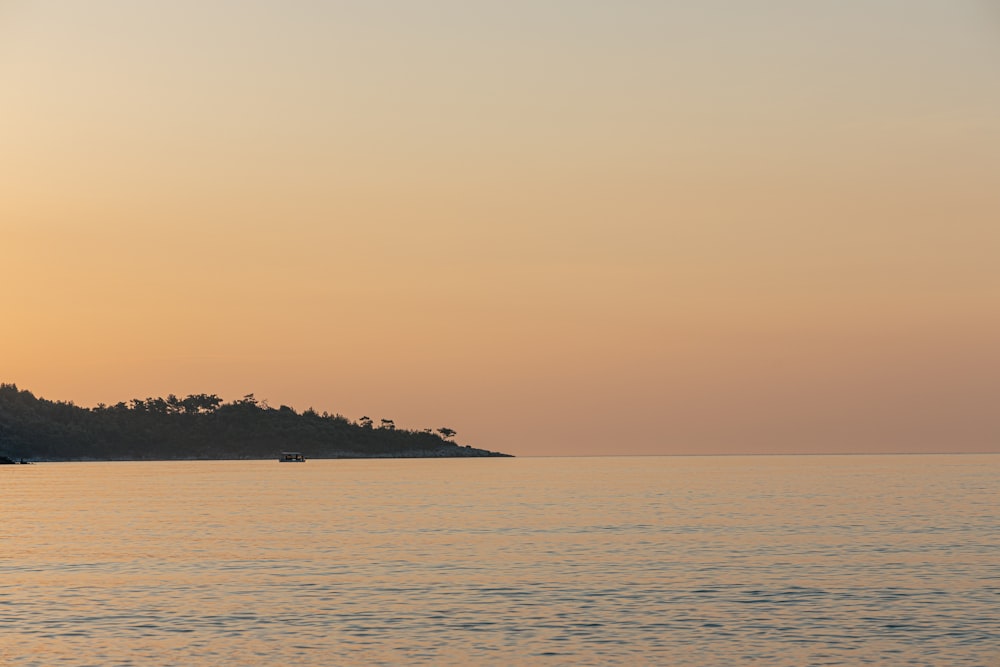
(556, 227)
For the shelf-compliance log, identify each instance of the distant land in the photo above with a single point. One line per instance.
(202, 426)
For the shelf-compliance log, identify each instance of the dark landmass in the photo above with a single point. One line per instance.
(201, 426)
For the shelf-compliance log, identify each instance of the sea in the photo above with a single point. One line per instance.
(756, 560)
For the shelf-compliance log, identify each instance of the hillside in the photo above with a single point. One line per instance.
(201, 426)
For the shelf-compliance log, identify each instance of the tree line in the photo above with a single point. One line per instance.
(201, 426)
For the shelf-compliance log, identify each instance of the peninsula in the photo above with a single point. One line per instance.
(202, 426)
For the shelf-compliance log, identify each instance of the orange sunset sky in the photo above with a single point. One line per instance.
(557, 226)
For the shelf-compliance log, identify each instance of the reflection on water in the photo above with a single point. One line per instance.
(682, 561)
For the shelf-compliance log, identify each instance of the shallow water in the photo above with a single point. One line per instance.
(810, 560)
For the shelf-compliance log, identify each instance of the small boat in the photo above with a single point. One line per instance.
(9, 461)
(292, 457)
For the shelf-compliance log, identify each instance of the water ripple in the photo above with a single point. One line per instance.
(770, 561)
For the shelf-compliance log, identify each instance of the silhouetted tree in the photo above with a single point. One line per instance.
(201, 403)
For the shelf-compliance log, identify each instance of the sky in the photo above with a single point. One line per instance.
(559, 227)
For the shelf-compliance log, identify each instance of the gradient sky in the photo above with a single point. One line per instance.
(557, 226)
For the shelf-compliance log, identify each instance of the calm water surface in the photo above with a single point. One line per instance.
(891, 560)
